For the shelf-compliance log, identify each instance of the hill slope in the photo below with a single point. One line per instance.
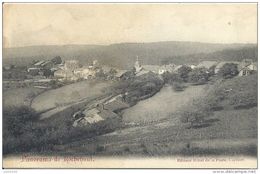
(124, 54)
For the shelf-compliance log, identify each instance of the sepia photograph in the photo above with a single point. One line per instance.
(129, 85)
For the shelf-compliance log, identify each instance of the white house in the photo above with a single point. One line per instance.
(246, 67)
(71, 65)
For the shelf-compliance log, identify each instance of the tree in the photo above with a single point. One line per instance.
(183, 72)
(17, 120)
(57, 60)
(178, 86)
(228, 70)
(199, 76)
(212, 70)
(47, 73)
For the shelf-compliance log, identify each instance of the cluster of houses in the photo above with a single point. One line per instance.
(107, 110)
(45, 67)
(72, 70)
(103, 111)
(245, 67)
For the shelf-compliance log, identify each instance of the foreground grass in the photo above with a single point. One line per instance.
(228, 129)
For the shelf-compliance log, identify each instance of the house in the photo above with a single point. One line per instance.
(221, 64)
(176, 68)
(85, 73)
(153, 68)
(207, 64)
(57, 60)
(94, 116)
(47, 64)
(123, 74)
(65, 75)
(33, 71)
(142, 72)
(193, 66)
(39, 63)
(60, 73)
(246, 67)
(71, 65)
(166, 68)
(106, 69)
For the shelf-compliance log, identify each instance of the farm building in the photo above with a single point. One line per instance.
(142, 72)
(33, 71)
(106, 69)
(60, 73)
(94, 116)
(65, 75)
(85, 73)
(166, 68)
(193, 66)
(176, 68)
(247, 67)
(153, 68)
(47, 64)
(39, 63)
(71, 65)
(123, 74)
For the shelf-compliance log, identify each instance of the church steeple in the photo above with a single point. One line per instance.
(138, 67)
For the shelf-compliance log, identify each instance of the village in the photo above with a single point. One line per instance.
(43, 74)
(44, 71)
(130, 85)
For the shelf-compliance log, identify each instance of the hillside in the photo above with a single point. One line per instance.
(124, 54)
(230, 54)
(229, 131)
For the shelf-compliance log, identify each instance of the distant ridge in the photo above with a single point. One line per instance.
(123, 54)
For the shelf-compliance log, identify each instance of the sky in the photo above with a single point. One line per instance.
(103, 24)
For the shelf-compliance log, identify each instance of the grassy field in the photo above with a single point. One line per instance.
(226, 136)
(20, 96)
(161, 105)
(231, 130)
(68, 94)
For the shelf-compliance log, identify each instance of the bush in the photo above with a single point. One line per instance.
(199, 76)
(23, 133)
(100, 148)
(229, 70)
(196, 114)
(178, 86)
(18, 120)
(183, 72)
(17, 128)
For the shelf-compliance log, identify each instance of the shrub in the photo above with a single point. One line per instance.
(212, 70)
(199, 76)
(176, 86)
(100, 148)
(57, 60)
(229, 70)
(18, 120)
(126, 149)
(183, 72)
(17, 128)
(166, 77)
(195, 114)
